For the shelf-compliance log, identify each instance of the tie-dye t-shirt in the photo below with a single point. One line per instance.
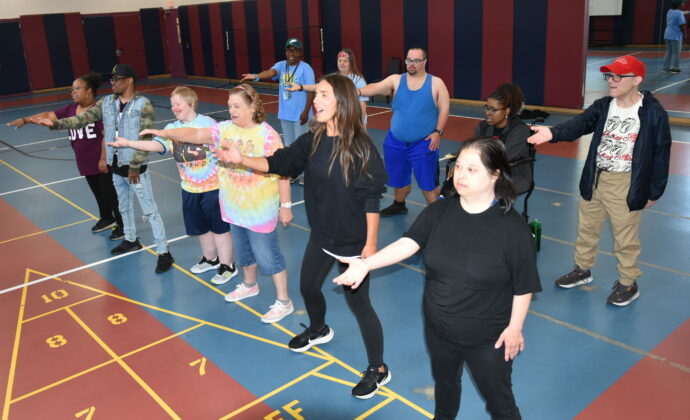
(196, 162)
(248, 198)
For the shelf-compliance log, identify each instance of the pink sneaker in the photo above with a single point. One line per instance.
(277, 312)
(242, 291)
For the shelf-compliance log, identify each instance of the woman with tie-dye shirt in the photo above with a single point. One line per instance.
(199, 175)
(251, 201)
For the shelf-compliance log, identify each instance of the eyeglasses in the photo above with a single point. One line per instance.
(415, 61)
(616, 77)
(76, 88)
(117, 79)
(491, 109)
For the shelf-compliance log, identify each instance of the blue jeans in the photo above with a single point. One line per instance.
(125, 196)
(672, 60)
(292, 130)
(258, 248)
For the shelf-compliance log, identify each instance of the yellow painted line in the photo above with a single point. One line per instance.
(109, 362)
(48, 189)
(125, 366)
(15, 351)
(375, 408)
(276, 391)
(43, 231)
(176, 181)
(63, 307)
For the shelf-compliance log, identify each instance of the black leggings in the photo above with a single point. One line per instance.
(490, 371)
(315, 266)
(103, 190)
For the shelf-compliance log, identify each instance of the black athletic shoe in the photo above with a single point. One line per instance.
(165, 261)
(117, 234)
(623, 295)
(371, 381)
(575, 278)
(309, 338)
(126, 246)
(103, 224)
(394, 209)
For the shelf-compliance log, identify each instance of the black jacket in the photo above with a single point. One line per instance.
(651, 152)
(514, 137)
(336, 212)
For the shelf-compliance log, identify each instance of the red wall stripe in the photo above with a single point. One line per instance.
(36, 50)
(77, 44)
(239, 36)
(441, 41)
(565, 31)
(392, 38)
(644, 20)
(350, 28)
(130, 40)
(315, 37)
(268, 57)
(195, 36)
(217, 40)
(294, 18)
(497, 44)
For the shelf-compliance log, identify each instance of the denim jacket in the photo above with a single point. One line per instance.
(138, 115)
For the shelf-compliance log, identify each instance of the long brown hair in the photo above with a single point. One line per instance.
(352, 143)
(351, 58)
(250, 97)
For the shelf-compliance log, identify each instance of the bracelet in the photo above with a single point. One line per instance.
(286, 205)
(257, 78)
(301, 88)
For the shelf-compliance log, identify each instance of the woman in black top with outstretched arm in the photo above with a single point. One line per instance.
(344, 178)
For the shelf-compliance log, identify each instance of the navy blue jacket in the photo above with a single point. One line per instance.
(651, 152)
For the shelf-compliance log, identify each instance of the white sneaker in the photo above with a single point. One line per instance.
(242, 291)
(277, 312)
(204, 265)
(225, 273)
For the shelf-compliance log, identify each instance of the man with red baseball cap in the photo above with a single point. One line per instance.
(625, 171)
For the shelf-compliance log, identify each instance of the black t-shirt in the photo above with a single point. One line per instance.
(475, 264)
(336, 212)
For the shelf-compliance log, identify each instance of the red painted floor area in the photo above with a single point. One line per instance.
(85, 351)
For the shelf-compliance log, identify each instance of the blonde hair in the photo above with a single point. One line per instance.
(251, 97)
(187, 95)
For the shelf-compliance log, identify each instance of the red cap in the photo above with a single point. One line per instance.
(625, 64)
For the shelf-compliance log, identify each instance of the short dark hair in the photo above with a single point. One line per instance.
(511, 96)
(417, 47)
(493, 154)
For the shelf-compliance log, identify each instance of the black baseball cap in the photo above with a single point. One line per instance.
(124, 70)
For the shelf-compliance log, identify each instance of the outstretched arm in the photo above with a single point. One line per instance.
(145, 145)
(21, 122)
(266, 74)
(183, 134)
(359, 268)
(384, 87)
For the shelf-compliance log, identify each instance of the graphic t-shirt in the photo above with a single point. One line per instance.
(291, 104)
(615, 151)
(196, 162)
(248, 198)
(86, 141)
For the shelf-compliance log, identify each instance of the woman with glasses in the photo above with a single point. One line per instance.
(501, 122)
(347, 66)
(89, 151)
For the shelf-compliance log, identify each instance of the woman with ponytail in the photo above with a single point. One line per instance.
(480, 275)
(501, 122)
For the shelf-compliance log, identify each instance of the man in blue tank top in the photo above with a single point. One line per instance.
(420, 112)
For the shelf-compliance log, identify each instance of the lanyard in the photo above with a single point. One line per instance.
(291, 76)
(119, 115)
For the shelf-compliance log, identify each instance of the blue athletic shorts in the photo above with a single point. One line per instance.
(201, 213)
(403, 158)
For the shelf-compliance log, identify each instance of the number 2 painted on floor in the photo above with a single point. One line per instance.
(202, 365)
(89, 413)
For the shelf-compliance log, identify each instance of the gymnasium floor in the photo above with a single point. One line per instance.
(89, 336)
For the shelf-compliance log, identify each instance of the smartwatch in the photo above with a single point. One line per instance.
(286, 205)
(257, 78)
(440, 132)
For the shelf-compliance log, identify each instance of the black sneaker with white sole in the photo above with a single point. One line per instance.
(126, 246)
(623, 295)
(308, 338)
(371, 381)
(165, 261)
(117, 234)
(103, 224)
(576, 277)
